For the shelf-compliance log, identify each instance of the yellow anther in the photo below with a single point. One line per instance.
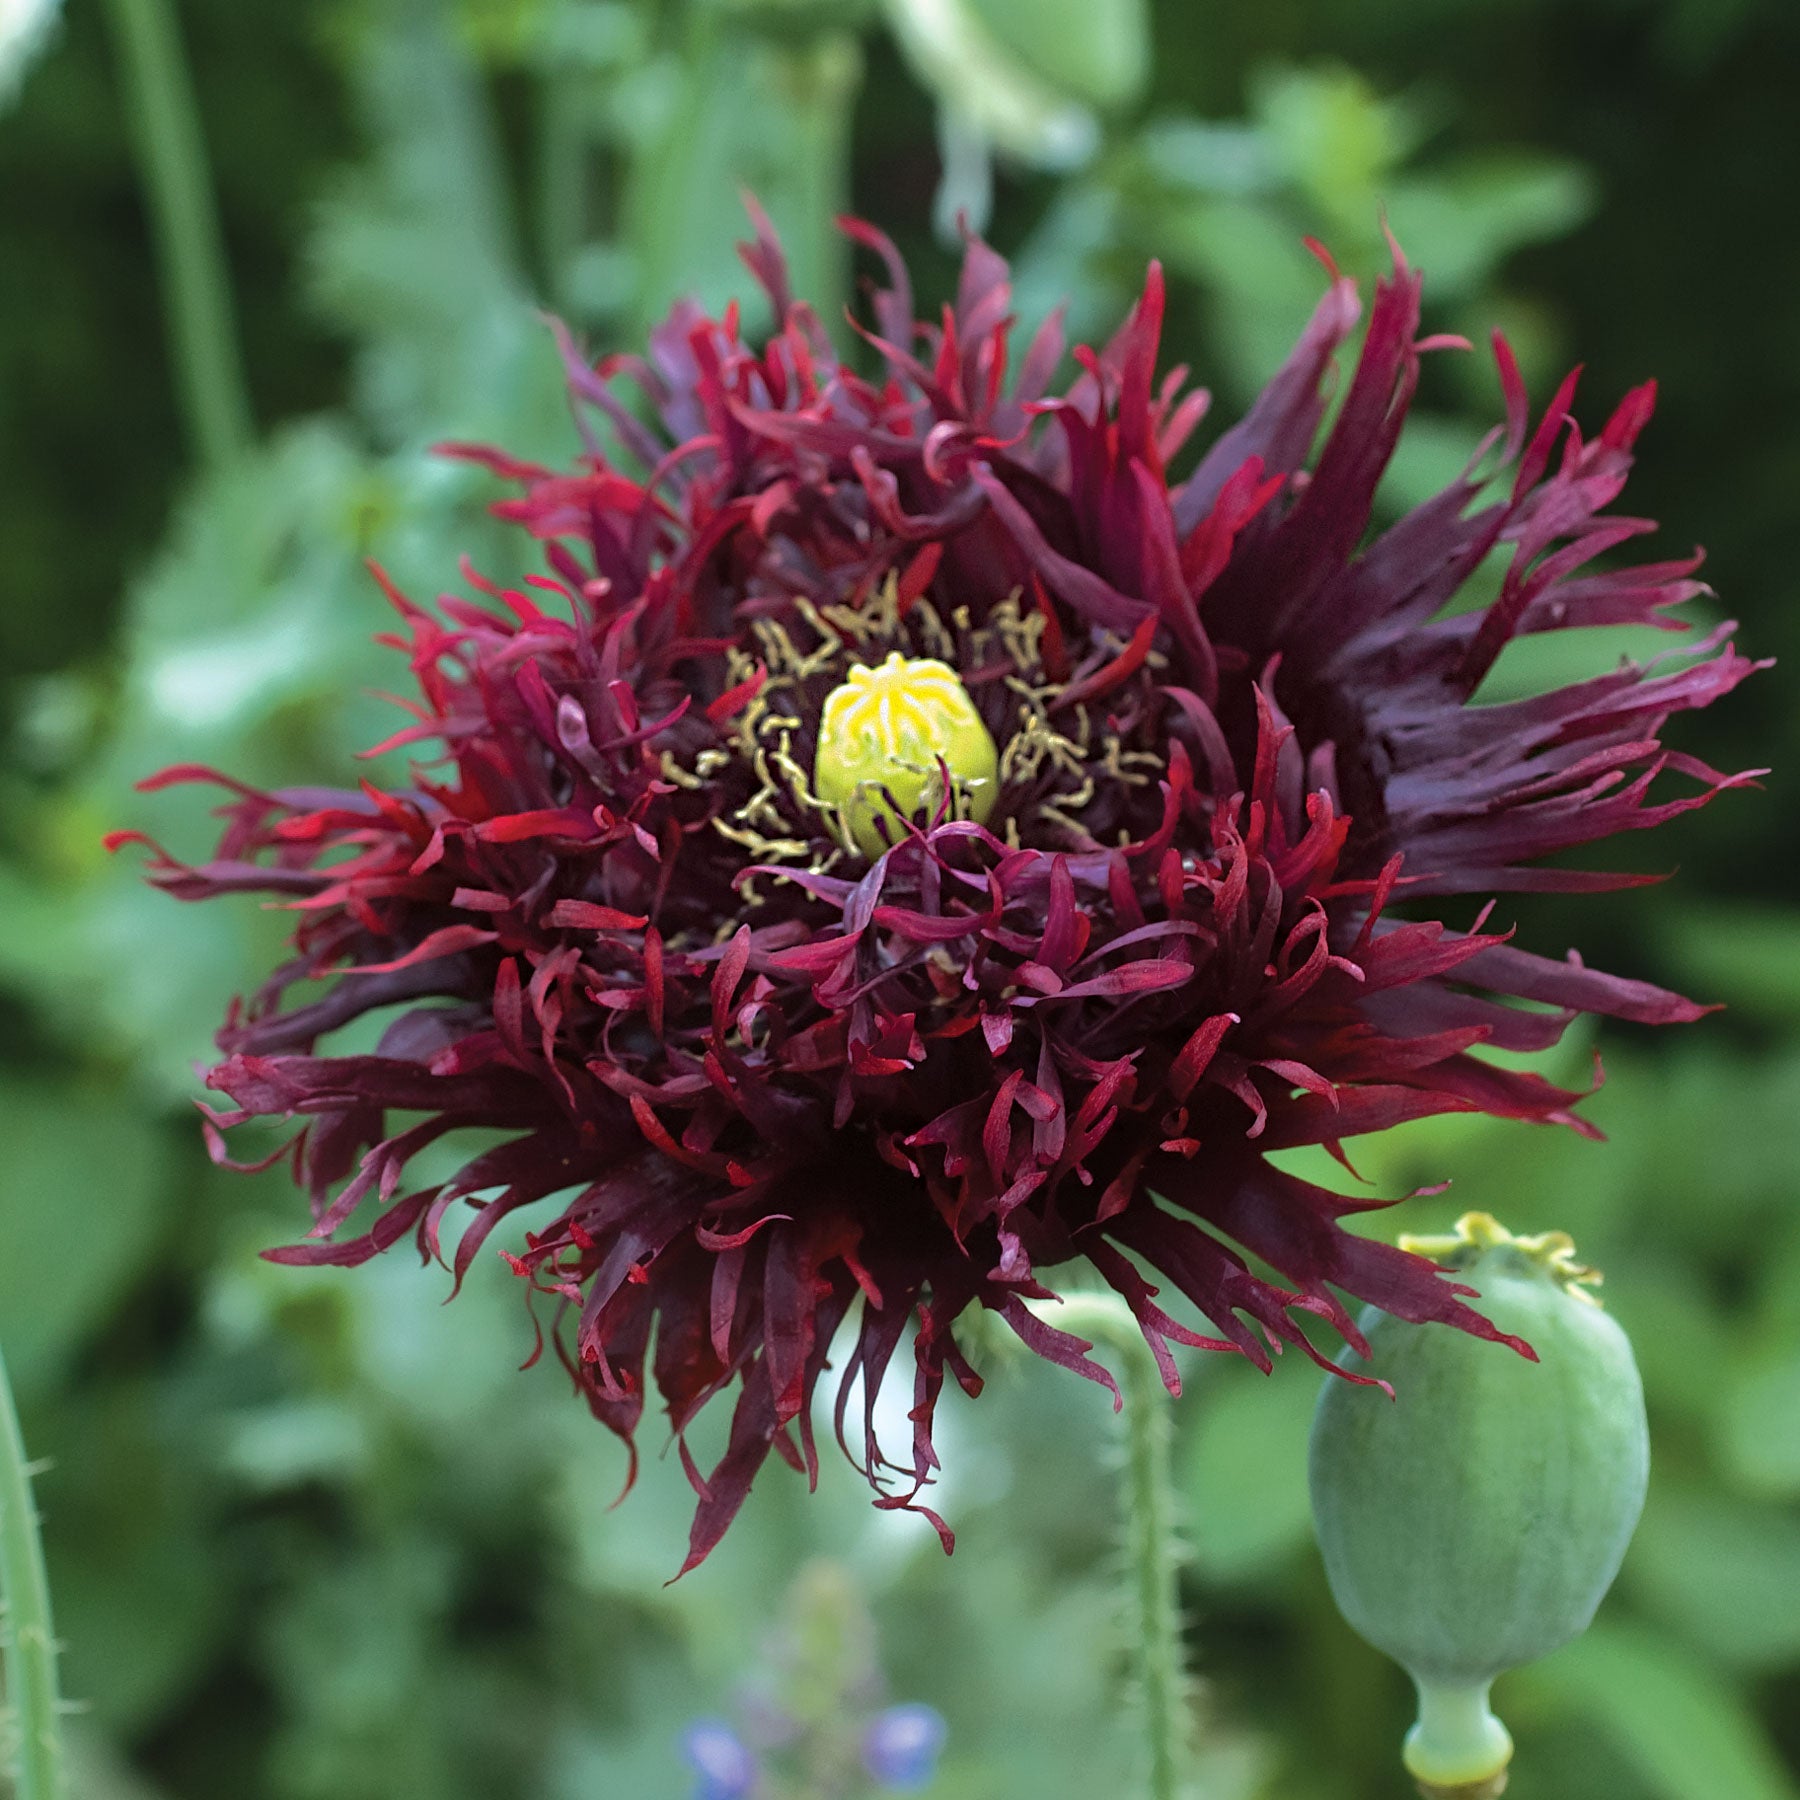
(892, 729)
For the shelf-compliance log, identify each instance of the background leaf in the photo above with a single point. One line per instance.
(1686, 1732)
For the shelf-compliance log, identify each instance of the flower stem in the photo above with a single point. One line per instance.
(1153, 1556)
(819, 82)
(190, 254)
(1152, 1541)
(561, 169)
(965, 191)
(1458, 1750)
(30, 1643)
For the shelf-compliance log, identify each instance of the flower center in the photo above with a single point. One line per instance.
(890, 737)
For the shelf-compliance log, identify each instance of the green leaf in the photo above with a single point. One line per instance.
(1744, 953)
(1551, 659)
(1335, 137)
(98, 1771)
(1461, 221)
(1093, 50)
(979, 76)
(693, 154)
(1676, 1327)
(1759, 1422)
(1261, 283)
(1068, 261)
(1689, 1733)
(81, 1186)
(1721, 1571)
(412, 251)
(142, 1591)
(248, 648)
(1243, 1469)
(1432, 452)
(1228, 160)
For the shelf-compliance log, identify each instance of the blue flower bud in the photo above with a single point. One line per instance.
(901, 1746)
(721, 1760)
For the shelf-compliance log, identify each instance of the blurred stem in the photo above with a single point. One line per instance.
(1152, 1541)
(190, 254)
(30, 1643)
(822, 80)
(561, 211)
(965, 190)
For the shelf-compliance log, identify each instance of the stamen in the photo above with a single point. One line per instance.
(801, 802)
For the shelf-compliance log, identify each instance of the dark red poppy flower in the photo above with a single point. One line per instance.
(776, 1036)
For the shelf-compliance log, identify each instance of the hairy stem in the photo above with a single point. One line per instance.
(30, 1643)
(1152, 1551)
(190, 255)
(1152, 1542)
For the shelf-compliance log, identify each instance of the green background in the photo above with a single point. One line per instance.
(311, 1534)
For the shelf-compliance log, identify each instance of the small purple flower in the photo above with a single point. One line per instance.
(719, 1757)
(901, 1746)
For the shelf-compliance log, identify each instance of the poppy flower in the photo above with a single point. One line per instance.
(908, 844)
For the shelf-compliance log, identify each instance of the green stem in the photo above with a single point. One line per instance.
(189, 251)
(820, 81)
(1152, 1541)
(1458, 1750)
(965, 191)
(30, 1643)
(561, 203)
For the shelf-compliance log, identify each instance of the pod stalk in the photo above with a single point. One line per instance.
(1458, 1750)
(1490, 1789)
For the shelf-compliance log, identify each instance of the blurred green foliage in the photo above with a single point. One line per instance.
(312, 1536)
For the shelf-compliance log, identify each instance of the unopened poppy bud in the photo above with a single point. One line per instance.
(1474, 1522)
(887, 736)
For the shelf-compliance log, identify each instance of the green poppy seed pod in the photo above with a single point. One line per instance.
(1474, 1522)
(886, 737)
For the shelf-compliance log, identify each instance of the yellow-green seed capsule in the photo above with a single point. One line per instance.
(890, 730)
